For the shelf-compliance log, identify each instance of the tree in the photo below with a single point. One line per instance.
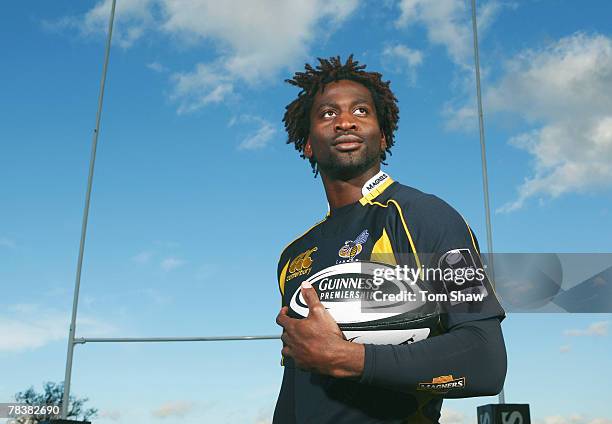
(53, 395)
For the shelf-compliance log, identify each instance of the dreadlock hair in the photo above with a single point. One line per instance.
(297, 114)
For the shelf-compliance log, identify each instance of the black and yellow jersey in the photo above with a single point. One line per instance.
(394, 224)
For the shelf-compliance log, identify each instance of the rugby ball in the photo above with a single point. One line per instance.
(372, 305)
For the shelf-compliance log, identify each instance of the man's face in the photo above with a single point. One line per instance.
(345, 137)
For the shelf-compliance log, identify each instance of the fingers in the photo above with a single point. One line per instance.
(282, 318)
(311, 298)
(284, 321)
(286, 352)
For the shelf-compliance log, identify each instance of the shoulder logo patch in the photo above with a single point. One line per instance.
(353, 248)
(302, 264)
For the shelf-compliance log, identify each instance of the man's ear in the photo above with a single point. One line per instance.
(308, 149)
(383, 141)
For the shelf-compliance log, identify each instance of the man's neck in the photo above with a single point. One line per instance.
(344, 192)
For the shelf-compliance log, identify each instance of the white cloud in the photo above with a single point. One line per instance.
(253, 40)
(264, 417)
(208, 83)
(142, 257)
(31, 326)
(596, 329)
(410, 56)
(448, 23)
(168, 264)
(463, 117)
(6, 242)
(162, 253)
(565, 348)
(173, 409)
(558, 419)
(157, 67)
(261, 419)
(489, 11)
(451, 416)
(132, 19)
(404, 58)
(253, 43)
(572, 419)
(565, 89)
(258, 138)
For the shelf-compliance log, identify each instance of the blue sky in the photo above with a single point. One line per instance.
(196, 193)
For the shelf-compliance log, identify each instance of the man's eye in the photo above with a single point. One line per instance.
(329, 114)
(361, 111)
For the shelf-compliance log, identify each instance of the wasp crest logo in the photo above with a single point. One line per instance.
(353, 248)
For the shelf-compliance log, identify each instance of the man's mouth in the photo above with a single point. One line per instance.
(347, 142)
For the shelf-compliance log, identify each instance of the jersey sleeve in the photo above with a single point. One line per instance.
(469, 358)
(447, 251)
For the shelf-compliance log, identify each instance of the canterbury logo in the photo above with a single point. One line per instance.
(302, 261)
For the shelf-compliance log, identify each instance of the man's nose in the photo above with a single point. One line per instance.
(345, 122)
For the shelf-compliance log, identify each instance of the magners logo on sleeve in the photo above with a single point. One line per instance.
(301, 265)
(442, 384)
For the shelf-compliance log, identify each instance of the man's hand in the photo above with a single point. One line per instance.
(316, 343)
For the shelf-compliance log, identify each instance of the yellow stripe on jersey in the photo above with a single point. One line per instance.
(471, 235)
(375, 192)
(283, 275)
(383, 251)
(410, 241)
(416, 255)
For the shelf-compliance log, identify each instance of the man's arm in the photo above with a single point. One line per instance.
(473, 353)
(316, 343)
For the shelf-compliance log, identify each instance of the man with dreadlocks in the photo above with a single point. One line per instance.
(343, 121)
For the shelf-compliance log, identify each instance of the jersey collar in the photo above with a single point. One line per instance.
(372, 188)
(375, 186)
